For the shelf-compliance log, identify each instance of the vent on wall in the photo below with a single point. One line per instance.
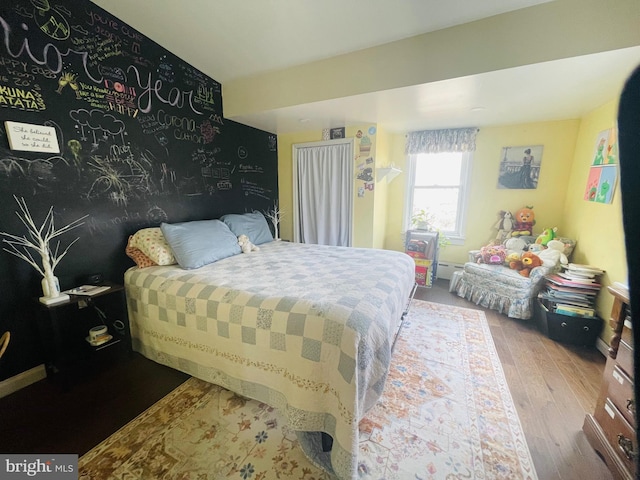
(446, 269)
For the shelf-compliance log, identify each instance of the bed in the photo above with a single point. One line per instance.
(307, 329)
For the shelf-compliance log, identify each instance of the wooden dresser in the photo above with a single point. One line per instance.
(611, 430)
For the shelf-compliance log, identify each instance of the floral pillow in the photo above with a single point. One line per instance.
(151, 242)
(137, 256)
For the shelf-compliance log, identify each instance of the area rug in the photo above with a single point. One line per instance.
(446, 413)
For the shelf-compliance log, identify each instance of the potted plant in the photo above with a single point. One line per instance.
(421, 219)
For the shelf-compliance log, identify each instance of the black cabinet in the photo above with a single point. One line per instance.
(64, 329)
(576, 330)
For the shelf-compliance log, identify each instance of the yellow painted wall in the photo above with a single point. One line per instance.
(486, 200)
(597, 227)
(381, 197)
(364, 200)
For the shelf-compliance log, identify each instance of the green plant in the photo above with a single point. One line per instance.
(421, 219)
(443, 240)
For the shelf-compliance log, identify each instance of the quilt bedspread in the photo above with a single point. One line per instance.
(304, 328)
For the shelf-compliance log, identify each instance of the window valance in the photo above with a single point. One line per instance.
(437, 141)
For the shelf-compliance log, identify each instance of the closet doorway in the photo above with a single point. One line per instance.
(323, 192)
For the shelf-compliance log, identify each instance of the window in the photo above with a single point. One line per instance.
(438, 184)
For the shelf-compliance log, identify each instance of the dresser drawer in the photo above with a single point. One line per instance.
(621, 394)
(620, 435)
(627, 335)
(625, 358)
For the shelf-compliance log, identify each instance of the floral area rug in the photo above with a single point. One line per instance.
(446, 413)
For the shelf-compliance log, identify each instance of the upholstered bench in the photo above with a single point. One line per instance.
(500, 288)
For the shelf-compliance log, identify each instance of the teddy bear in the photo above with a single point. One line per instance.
(246, 245)
(553, 254)
(528, 261)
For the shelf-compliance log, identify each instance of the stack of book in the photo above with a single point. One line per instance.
(573, 291)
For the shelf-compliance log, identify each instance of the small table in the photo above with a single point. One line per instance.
(64, 328)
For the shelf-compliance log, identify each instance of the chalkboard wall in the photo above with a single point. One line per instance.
(142, 140)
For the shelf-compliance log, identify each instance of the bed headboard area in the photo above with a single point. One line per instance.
(107, 123)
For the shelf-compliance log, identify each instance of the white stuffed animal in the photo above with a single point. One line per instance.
(246, 245)
(553, 254)
(515, 245)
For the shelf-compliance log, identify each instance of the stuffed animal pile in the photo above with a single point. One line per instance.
(512, 248)
(246, 245)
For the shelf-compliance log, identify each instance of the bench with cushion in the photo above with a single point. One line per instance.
(500, 288)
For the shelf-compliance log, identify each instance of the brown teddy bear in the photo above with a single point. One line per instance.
(528, 261)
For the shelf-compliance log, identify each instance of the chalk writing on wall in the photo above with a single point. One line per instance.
(141, 136)
(134, 122)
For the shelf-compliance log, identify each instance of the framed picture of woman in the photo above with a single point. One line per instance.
(520, 167)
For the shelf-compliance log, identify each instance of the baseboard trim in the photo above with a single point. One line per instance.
(24, 379)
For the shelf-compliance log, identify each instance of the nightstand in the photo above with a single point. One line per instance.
(64, 329)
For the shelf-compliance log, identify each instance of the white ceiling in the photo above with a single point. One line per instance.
(233, 39)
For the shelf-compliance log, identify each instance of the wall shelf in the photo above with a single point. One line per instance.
(388, 172)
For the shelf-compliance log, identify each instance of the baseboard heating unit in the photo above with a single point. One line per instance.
(446, 269)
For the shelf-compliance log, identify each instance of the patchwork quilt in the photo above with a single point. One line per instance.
(307, 329)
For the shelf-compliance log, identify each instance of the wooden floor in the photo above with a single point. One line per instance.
(553, 387)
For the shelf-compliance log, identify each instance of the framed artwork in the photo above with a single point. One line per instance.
(603, 172)
(32, 138)
(520, 167)
(337, 133)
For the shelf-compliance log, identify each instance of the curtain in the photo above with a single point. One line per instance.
(437, 141)
(325, 193)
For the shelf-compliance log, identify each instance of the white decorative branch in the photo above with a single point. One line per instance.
(275, 215)
(39, 239)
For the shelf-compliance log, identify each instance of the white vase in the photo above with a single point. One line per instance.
(50, 286)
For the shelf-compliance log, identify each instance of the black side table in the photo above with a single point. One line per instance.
(64, 329)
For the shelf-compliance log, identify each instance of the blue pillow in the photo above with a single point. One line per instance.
(253, 225)
(200, 242)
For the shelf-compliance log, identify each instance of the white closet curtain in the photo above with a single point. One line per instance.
(323, 177)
